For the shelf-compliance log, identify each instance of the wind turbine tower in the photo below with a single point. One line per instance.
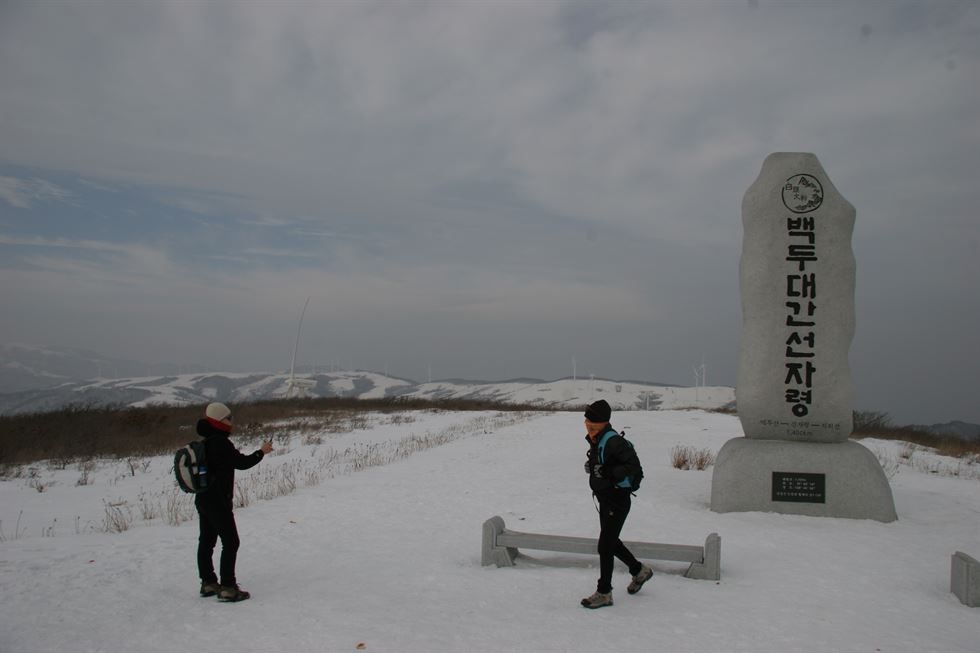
(298, 387)
(699, 377)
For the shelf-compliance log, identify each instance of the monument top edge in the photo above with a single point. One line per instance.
(793, 155)
(778, 164)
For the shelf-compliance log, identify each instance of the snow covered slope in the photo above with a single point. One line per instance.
(201, 388)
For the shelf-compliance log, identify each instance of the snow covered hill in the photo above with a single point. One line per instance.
(233, 388)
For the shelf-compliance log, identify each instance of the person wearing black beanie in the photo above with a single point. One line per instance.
(609, 465)
(598, 412)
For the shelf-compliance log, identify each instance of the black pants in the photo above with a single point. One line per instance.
(217, 522)
(613, 510)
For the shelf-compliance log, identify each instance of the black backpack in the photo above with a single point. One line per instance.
(634, 470)
(190, 467)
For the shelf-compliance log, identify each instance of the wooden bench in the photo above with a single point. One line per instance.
(500, 547)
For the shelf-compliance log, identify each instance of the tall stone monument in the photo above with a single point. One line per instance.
(794, 389)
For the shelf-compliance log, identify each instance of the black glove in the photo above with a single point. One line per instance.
(597, 471)
(588, 466)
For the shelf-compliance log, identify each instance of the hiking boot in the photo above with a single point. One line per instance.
(232, 593)
(597, 600)
(209, 589)
(641, 577)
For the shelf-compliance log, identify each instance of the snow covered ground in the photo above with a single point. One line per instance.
(378, 549)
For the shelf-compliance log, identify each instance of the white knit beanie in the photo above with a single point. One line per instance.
(217, 411)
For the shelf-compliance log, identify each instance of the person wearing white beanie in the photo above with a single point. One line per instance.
(215, 506)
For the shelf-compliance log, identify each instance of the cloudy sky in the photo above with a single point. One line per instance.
(485, 189)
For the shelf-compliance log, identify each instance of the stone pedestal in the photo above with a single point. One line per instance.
(838, 479)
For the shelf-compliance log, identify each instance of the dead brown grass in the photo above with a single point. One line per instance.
(943, 444)
(878, 425)
(81, 433)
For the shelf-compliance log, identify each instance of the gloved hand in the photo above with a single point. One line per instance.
(598, 471)
(588, 467)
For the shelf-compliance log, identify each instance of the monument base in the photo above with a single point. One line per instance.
(839, 479)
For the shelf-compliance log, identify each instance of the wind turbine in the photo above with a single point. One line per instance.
(299, 385)
(699, 376)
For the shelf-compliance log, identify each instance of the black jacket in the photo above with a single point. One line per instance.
(222, 460)
(615, 454)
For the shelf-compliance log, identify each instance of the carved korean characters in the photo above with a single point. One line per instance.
(797, 285)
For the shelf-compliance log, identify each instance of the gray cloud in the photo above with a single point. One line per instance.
(493, 186)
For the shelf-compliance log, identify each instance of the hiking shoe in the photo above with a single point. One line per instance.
(597, 600)
(641, 577)
(232, 593)
(209, 589)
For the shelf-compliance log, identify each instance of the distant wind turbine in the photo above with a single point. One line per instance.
(699, 378)
(299, 385)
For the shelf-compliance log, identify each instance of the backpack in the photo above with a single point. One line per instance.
(190, 467)
(634, 471)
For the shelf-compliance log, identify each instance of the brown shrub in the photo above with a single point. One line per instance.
(680, 457)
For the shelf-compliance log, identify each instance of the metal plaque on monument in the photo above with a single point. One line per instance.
(794, 390)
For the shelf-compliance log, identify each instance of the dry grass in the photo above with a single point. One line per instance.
(878, 425)
(684, 457)
(871, 424)
(80, 433)
(83, 433)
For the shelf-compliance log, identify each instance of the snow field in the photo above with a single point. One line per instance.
(388, 556)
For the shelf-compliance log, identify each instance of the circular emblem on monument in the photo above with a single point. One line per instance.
(802, 193)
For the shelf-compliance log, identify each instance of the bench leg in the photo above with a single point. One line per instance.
(710, 567)
(964, 579)
(502, 556)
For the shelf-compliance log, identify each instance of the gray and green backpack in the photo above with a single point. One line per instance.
(190, 467)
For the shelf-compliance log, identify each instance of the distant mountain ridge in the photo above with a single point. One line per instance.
(45, 378)
(30, 367)
(956, 429)
(198, 388)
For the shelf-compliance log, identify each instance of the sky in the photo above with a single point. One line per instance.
(482, 190)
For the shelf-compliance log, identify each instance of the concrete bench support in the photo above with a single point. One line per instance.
(500, 548)
(964, 579)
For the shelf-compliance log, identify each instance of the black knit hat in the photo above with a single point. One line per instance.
(598, 412)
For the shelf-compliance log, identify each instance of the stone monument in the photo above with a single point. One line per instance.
(794, 390)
